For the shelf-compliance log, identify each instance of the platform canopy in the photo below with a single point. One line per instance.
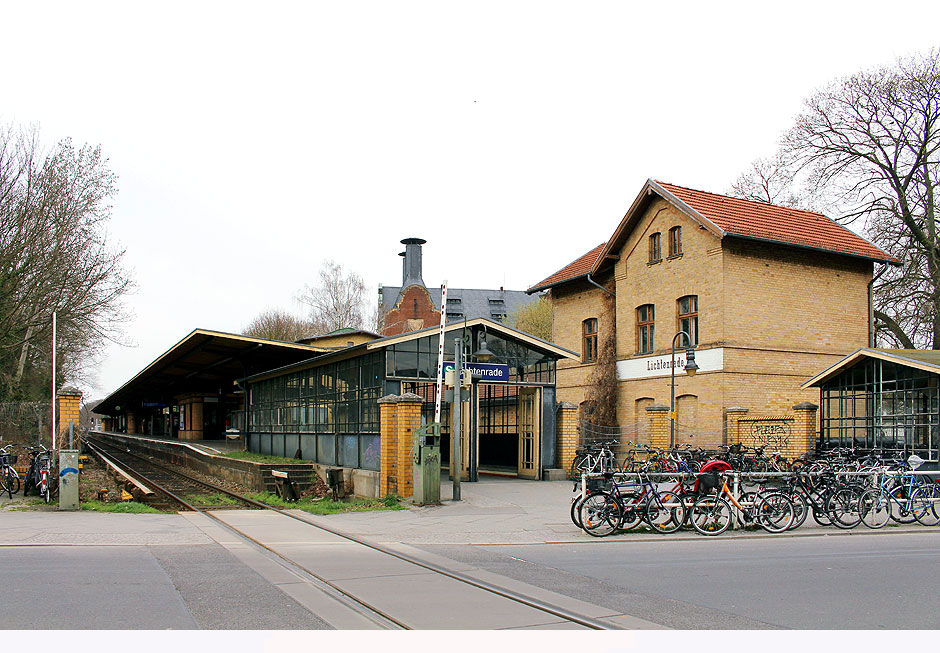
(204, 361)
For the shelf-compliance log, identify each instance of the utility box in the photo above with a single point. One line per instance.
(427, 465)
(68, 479)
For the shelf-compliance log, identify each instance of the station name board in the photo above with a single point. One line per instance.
(708, 360)
(492, 372)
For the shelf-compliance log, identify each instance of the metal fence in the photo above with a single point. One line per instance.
(22, 421)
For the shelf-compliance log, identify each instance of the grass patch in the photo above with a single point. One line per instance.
(125, 507)
(329, 507)
(215, 499)
(253, 457)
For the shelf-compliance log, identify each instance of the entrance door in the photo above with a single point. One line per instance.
(527, 422)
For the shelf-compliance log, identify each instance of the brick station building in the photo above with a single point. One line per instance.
(770, 295)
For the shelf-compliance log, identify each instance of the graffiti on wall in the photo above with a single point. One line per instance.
(775, 434)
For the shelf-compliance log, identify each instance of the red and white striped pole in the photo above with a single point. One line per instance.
(440, 353)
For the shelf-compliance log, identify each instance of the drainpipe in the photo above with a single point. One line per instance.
(594, 283)
(871, 305)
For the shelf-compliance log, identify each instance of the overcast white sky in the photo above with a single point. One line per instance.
(253, 141)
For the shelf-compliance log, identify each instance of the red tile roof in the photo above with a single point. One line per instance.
(778, 223)
(577, 268)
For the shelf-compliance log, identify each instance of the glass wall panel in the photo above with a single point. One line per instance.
(349, 451)
(326, 449)
(369, 452)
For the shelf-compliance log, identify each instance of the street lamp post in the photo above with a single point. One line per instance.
(690, 368)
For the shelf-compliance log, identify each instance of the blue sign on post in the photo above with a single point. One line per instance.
(484, 371)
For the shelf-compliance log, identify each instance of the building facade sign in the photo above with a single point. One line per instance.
(708, 360)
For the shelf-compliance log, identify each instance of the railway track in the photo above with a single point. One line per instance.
(380, 613)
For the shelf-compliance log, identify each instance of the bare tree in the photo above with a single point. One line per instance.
(338, 301)
(772, 181)
(866, 149)
(275, 324)
(55, 256)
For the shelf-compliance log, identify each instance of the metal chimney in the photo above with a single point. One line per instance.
(412, 265)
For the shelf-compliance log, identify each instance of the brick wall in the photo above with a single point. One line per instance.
(68, 400)
(780, 314)
(414, 310)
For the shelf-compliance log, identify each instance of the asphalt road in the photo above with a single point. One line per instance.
(141, 587)
(850, 581)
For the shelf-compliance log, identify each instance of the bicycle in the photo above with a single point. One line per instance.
(712, 513)
(899, 497)
(593, 459)
(9, 479)
(39, 475)
(625, 505)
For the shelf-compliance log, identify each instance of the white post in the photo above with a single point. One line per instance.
(53, 379)
(440, 352)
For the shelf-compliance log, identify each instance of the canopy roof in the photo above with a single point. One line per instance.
(927, 360)
(203, 361)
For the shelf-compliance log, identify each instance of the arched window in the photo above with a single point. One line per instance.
(675, 241)
(644, 329)
(656, 253)
(589, 340)
(687, 309)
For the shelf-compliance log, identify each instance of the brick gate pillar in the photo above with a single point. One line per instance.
(659, 425)
(733, 417)
(68, 400)
(805, 428)
(388, 442)
(566, 434)
(409, 421)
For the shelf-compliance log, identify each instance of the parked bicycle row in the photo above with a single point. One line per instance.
(711, 500)
(613, 456)
(39, 475)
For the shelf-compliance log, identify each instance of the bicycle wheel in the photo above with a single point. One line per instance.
(576, 502)
(15, 481)
(631, 515)
(711, 515)
(800, 508)
(665, 512)
(774, 512)
(874, 508)
(903, 511)
(925, 498)
(934, 518)
(842, 508)
(600, 514)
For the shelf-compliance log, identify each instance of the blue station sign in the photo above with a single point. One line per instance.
(492, 372)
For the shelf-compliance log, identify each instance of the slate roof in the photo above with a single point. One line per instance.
(473, 303)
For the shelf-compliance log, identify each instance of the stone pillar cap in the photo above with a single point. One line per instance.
(657, 408)
(736, 409)
(388, 399)
(805, 405)
(410, 396)
(69, 391)
(567, 404)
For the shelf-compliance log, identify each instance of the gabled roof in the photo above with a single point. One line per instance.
(927, 360)
(730, 216)
(469, 303)
(577, 269)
